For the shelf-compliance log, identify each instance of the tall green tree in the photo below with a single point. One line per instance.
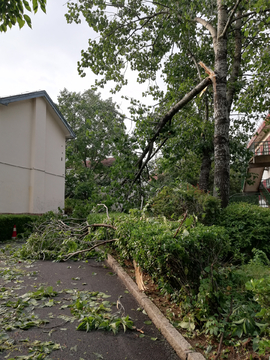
(229, 38)
(12, 12)
(97, 123)
(102, 151)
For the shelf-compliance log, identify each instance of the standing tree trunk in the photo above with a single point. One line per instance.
(205, 170)
(221, 136)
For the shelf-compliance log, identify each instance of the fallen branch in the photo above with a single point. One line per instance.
(184, 218)
(102, 225)
(89, 249)
(165, 119)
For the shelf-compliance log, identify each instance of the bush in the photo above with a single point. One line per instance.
(173, 202)
(248, 228)
(82, 208)
(7, 223)
(173, 262)
(77, 208)
(101, 217)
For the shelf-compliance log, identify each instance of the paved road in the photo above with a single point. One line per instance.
(80, 345)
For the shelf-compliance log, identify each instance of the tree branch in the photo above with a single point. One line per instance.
(91, 248)
(166, 118)
(208, 26)
(107, 212)
(102, 225)
(229, 19)
(196, 65)
(251, 13)
(159, 147)
(179, 227)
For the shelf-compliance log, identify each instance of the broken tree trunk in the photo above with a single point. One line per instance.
(139, 276)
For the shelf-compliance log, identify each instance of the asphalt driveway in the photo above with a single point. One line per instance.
(58, 331)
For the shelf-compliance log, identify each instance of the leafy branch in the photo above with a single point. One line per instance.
(165, 119)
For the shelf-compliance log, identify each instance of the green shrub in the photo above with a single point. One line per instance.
(7, 223)
(173, 202)
(173, 262)
(248, 228)
(101, 218)
(78, 208)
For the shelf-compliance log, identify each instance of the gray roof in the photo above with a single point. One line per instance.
(31, 95)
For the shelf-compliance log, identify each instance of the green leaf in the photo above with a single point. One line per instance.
(35, 5)
(28, 20)
(27, 6)
(148, 322)
(20, 21)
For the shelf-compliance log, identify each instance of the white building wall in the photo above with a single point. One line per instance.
(15, 137)
(54, 164)
(54, 147)
(54, 192)
(14, 183)
(37, 167)
(15, 134)
(32, 158)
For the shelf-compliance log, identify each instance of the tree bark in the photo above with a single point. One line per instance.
(236, 61)
(205, 170)
(221, 136)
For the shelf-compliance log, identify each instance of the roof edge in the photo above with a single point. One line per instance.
(35, 94)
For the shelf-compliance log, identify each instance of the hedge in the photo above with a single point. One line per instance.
(7, 223)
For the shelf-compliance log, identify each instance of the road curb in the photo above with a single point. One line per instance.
(180, 345)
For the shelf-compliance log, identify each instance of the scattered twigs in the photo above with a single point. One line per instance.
(179, 227)
(57, 238)
(89, 249)
(52, 226)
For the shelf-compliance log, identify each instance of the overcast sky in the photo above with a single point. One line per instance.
(45, 57)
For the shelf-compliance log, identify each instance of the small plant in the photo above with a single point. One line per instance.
(261, 290)
(174, 202)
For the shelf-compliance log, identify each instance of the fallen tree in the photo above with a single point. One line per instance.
(60, 239)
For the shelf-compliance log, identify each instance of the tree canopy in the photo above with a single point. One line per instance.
(13, 12)
(102, 153)
(169, 39)
(97, 123)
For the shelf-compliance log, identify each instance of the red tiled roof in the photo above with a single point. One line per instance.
(108, 162)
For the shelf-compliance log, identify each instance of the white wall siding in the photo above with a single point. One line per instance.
(32, 158)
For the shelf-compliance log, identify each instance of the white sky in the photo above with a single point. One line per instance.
(45, 57)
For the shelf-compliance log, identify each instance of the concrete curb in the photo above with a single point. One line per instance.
(182, 348)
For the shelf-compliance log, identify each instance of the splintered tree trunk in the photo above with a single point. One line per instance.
(205, 170)
(221, 137)
(139, 276)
